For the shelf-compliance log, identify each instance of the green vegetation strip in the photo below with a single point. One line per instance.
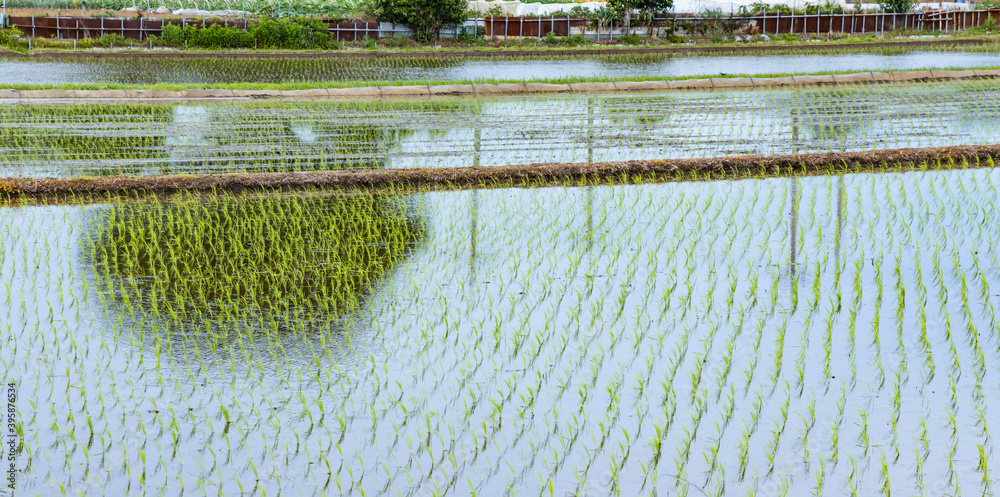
(853, 44)
(515, 88)
(552, 174)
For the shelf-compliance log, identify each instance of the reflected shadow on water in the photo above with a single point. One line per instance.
(251, 280)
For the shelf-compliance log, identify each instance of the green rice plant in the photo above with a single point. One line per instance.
(835, 442)
(744, 451)
(820, 474)
(884, 474)
(772, 447)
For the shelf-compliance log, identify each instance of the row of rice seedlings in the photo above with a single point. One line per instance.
(372, 71)
(615, 341)
(141, 139)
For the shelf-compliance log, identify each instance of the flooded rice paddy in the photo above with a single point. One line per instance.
(827, 335)
(824, 336)
(102, 139)
(181, 70)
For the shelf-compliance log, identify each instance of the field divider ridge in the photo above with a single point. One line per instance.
(540, 174)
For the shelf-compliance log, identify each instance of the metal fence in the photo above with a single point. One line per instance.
(75, 28)
(78, 28)
(874, 22)
(771, 24)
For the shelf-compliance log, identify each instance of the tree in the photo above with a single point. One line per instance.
(425, 17)
(897, 5)
(626, 8)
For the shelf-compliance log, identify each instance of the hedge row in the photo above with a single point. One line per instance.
(302, 33)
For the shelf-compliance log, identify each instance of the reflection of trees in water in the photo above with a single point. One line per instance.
(162, 139)
(257, 274)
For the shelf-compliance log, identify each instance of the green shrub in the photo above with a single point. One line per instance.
(293, 33)
(990, 24)
(8, 35)
(267, 33)
(573, 40)
(216, 36)
(172, 35)
(425, 17)
(397, 41)
(299, 33)
(758, 8)
(278, 34)
(580, 12)
(897, 5)
(470, 35)
(826, 7)
(10, 38)
(106, 41)
(495, 11)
